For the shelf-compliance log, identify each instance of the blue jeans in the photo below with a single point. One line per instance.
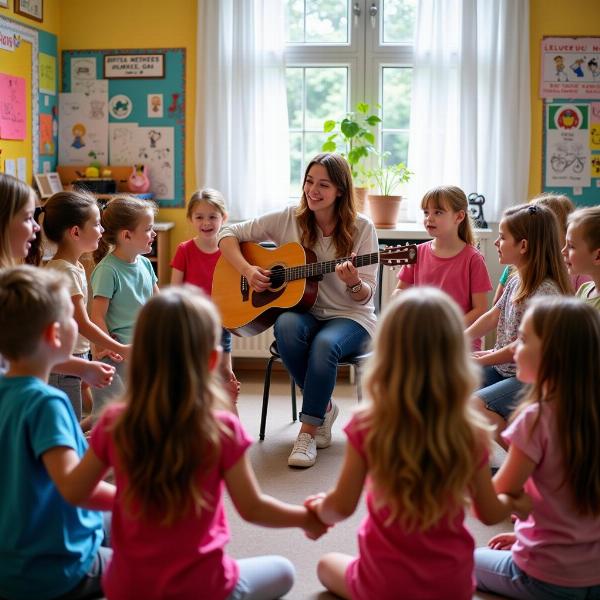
(499, 393)
(226, 340)
(263, 578)
(496, 572)
(311, 350)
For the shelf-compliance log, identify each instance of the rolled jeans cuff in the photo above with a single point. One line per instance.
(310, 420)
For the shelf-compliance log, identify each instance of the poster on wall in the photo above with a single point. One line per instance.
(570, 67)
(568, 145)
(83, 129)
(13, 118)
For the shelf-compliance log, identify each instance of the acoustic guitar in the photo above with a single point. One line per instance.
(295, 274)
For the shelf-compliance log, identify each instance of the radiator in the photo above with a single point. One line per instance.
(256, 346)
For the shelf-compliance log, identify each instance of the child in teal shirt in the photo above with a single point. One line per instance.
(47, 546)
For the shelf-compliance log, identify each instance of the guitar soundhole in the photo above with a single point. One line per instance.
(277, 276)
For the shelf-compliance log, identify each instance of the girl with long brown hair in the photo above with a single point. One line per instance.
(174, 446)
(424, 451)
(342, 319)
(554, 454)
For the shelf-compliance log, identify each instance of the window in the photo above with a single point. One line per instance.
(338, 53)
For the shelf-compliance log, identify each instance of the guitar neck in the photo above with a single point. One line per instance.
(328, 266)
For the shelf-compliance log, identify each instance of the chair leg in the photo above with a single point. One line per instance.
(358, 383)
(265, 402)
(293, 393)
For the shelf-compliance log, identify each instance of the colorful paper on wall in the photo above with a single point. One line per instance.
(46, 141)
(47, 66)
(13, 119)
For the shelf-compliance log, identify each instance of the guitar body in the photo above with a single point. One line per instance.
(245, 312)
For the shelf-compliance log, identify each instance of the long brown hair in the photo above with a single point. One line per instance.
(339, 172)
(561, 206)
(14, 195)
(64, 210)
(424, 442)
(569, 330)
(450, 197)
(588, 220)
(542, 260)
(122, 212)
(168, 432)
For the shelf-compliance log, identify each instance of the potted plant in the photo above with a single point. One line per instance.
(354, 137)
(386, 178)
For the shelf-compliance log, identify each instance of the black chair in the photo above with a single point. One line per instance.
(352, 361)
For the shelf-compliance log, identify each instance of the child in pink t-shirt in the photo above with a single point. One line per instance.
(423, 452)
(554, 453)
(173, 451)
(195, 261)
(450, 261)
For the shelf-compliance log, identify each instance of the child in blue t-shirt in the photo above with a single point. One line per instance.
(48, 547)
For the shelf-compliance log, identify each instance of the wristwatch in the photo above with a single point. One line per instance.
(354, 289)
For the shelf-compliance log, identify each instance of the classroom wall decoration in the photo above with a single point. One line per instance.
(570, 87)
(137, 96)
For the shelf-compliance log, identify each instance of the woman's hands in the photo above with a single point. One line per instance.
(258, 279)
(347, 272)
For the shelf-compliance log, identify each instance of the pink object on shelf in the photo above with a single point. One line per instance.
(138, 182)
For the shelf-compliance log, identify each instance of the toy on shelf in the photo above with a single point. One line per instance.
(138, 182)
(476, 202)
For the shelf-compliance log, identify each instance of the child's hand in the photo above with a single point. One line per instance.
(502, 541)
(98, 374)
(108, 353)
(522, 505)
(314, 528)
(314, 502)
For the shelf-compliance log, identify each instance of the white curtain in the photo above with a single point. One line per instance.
(470, 114)
(242, 145)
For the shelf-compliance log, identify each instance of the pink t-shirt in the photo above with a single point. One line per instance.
(422, 564)
(186, 559)
(555, 544)
(197, 266)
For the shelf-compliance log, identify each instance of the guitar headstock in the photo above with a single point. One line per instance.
(393, 256)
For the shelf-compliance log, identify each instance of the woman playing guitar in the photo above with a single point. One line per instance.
(342, 319)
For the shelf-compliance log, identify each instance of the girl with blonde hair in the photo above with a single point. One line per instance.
(554, 453)
(424, 451)
(528, 240)
(172, 445)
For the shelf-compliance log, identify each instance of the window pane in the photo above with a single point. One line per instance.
(312, 146)
(293, 76)
(324, 22)
(398, 21)
(397, 85)
(397, 145)
(327, 21)
(326, 95)
(294, 21)
(295, 163)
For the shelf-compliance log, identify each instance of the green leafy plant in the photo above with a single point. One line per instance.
(386, 178)
(353, 136)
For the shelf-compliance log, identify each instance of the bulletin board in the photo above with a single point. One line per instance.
(29, 56)
(570, 88)
(133, 116)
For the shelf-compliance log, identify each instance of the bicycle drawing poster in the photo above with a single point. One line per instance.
(568, 155)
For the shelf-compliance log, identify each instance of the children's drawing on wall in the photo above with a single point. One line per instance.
(567, 145)
(176, 107)
(46, 137)
(581, 78)
(121, 143)
(155, 106)
(13, 120)
(120, 106)
(83, 128)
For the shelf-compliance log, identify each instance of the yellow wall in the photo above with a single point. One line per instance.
(548, 18)
(87, 24)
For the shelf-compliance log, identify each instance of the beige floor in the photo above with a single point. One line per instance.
(269, 460)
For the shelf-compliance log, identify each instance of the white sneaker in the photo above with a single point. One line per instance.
(323, 435)
(304, 452)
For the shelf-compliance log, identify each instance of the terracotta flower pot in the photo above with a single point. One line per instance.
(384, 210)
(360, 198)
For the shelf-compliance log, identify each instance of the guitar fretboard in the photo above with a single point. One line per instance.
(328, 266)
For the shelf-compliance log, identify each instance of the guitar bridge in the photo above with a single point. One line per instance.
(244, 289)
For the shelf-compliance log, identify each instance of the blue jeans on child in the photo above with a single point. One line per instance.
(499, 393)
(496, 572)
(263, 577)
(311, 350)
